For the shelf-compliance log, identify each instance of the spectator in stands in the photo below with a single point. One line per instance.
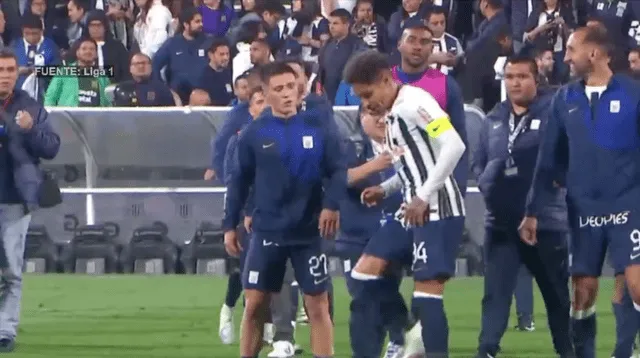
(634, 62)
(39, 9)
(550, 25)
(335, 54)
(111, 52)
(517, 12)
(184, 55)
(151, 28)
(617, 17)
(83, 91)
(21, 187)
(13, 11)
(242, 59)
(78, 10)
(149, 91)
(408, 13)
(216, 17)
(241, 90)
(259, 54)
(268, 12)
(120, 14)
(480, 85)
(33, 49)
(368, 27)
(544, 60)
(305, 32)
(495, 21)
(447, 49)
(215, 80)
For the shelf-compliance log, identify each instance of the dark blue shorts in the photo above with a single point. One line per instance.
(392, 242)
(435, 248)
(592, 236)
(266, 263)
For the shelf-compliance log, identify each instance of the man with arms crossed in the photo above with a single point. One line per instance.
(295, 165)
(421, 137)
(591, 145)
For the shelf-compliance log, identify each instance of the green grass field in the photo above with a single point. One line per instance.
(177, 316)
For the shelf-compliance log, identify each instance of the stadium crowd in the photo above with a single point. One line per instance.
(203, 54)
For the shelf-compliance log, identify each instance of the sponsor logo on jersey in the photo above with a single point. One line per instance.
(620, 218)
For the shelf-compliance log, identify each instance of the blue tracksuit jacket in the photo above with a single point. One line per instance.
(286, 162)
(505, 196)
(237, 118)
(594, 149)
(358, 223)
(312, 102)
(184, 61)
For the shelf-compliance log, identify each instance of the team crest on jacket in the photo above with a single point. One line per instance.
(307, 142)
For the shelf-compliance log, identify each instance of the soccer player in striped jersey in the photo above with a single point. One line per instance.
(422, 139)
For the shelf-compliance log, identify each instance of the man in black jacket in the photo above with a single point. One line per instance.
(25, 138)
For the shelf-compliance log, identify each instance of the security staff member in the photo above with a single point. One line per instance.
(143, 90)
(503, 164)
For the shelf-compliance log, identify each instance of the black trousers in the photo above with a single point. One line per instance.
(548, 263)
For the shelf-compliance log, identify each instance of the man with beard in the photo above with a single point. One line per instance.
(142, 90)
(184, 55)
(590, 145)
(215, 80)
(79, 91)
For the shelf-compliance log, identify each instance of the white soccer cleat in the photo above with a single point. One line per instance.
(268, 333)
(226, 329)
(282, 349)
(413, 346)
(394, 351)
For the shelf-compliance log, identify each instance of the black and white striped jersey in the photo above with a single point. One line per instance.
(421, 138)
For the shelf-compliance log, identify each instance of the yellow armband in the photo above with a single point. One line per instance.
(438, 126)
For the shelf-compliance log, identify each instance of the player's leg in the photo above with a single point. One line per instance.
(310, 265)
(435, 247)
(366, 328)
(547, 262)
(625, 252)
(226, 327)
(391, 245)
(263, 274)
(588, 247)
(501, 257)
(283, 338)
(626, 318)
(524, 300)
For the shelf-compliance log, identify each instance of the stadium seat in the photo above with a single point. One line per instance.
(41, 253)
(205, 254)
(93, 250)
(150, 251)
